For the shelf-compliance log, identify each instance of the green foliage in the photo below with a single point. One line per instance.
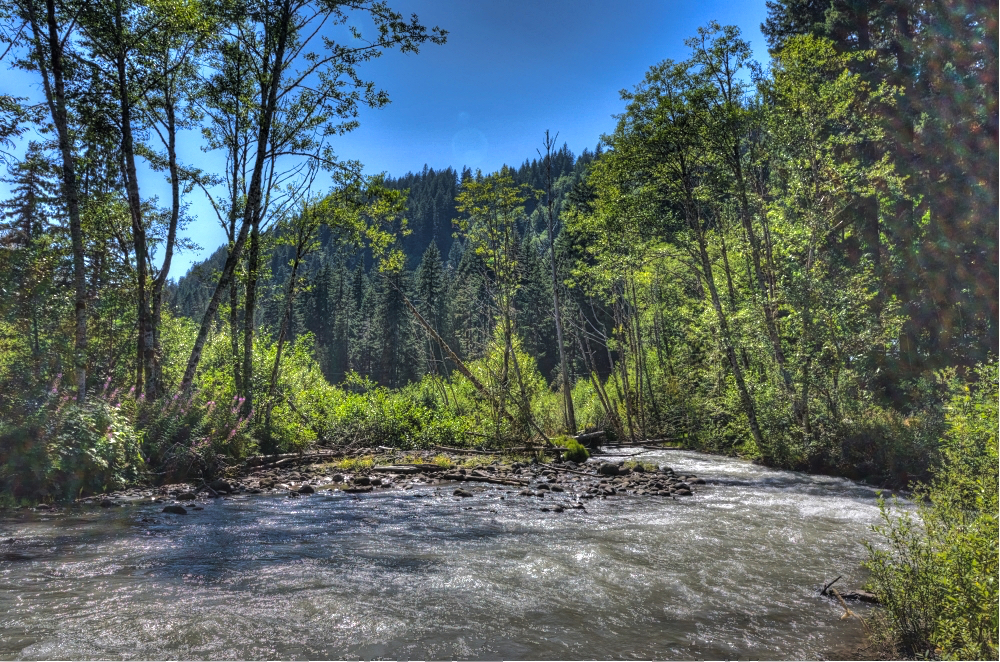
(64, 450)
(575, 451)
(935, 570)
(646, 466)
(356, 463)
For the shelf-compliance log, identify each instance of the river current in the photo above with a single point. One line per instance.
(730, 573)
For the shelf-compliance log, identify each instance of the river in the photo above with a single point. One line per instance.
(730, 573)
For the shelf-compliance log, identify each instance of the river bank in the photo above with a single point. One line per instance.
(566, 483)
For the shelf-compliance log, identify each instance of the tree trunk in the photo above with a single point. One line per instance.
(155, 381)
(251, 212)
(250, 304)
(727, 342)
(144, 343)
(55, 96)
(567, 391)
(289, 301)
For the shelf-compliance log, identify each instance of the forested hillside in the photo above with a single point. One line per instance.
(359, 323)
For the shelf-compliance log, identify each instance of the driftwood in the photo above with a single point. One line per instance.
(591, 438)
(858, 595)
(294, 458)
(470, 451)
(829, 584)
(396, 469)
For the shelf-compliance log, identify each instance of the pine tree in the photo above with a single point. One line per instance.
(341, 318)
(431, 302)
(393, 340)
(25, 213)
(534, 306)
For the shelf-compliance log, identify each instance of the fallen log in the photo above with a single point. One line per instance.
(860, 596)
(471, 451)
(296, 459)
(396, 469)
(591, 438)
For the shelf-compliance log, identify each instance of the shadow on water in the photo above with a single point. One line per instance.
(731, 572)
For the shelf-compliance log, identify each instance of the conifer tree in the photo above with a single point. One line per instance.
(430, 291)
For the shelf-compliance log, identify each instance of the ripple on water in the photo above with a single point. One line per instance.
(730, 572)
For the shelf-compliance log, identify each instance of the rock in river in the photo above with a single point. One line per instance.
(220, 485)
(306, 489)
(462, 493)
(608, 469)
(175, 510)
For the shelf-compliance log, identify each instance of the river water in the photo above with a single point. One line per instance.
(730, 573)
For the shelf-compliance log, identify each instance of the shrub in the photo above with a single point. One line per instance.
(646, 466)
(65, 450)
(575, 451)
(936, 572)
(356, 463)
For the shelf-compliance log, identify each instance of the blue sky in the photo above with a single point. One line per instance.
(509, 71)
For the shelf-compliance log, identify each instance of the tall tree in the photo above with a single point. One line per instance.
(301, 97)
(556, 308)
(52, 33)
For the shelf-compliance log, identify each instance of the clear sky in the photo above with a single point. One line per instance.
(509, 71)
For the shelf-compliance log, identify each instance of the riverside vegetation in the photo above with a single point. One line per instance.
(794, 263)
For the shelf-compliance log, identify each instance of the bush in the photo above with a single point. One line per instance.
(936, 574)
(188, 436)
(574, 452)
(64, 450)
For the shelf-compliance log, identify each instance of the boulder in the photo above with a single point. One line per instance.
(462, 493)
(185, 496)
(220, 485)
(175, 509)
(608, 469)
